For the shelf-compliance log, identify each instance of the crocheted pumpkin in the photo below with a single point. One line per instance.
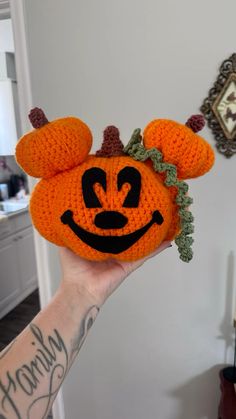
(121, 202)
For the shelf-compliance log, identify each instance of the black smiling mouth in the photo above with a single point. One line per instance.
(109, 244)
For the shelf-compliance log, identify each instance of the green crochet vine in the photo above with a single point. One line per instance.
(137, 151)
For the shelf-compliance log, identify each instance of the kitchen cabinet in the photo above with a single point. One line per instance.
(26, 258)
(10, 285)
(18, 275)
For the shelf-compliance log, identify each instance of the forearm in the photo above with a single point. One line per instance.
(34, 366)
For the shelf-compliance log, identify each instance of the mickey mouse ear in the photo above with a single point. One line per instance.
(180, 145)
(53, 147)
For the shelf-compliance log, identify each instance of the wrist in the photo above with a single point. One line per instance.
(77, 295)
(73, 304)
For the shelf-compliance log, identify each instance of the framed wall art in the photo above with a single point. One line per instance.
(219, 108)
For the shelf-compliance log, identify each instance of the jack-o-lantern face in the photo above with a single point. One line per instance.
(103, 206)
(107, 207)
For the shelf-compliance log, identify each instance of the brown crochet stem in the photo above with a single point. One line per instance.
(112, 145)
(196, 123)
(37, 118)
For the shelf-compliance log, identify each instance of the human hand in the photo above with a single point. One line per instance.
(98, 280)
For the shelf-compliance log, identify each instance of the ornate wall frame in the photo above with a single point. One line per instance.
(219, 108)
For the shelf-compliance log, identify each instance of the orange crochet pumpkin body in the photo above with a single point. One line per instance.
(85, 200)
(121, 203)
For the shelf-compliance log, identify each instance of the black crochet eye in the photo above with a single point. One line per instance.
(89, 178)
(132, 176)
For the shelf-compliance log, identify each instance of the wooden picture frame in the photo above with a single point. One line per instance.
(219, 108)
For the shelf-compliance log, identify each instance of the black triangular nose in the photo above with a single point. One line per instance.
(110, 219)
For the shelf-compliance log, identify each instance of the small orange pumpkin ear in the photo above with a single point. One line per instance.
(53, 146)
(180, 145)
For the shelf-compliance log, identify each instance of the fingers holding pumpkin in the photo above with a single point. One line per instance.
(53, 147)
(180, 145)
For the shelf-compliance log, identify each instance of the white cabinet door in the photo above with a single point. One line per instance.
(26, 259)
(10, 284)
(18, 274)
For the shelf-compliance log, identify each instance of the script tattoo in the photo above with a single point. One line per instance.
(26, 379)
(86, 324)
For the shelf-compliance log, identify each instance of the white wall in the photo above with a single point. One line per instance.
(157, 345)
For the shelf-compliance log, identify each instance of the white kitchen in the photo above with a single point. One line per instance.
(18, 275)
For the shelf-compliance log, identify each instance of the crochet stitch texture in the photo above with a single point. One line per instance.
(111, 204)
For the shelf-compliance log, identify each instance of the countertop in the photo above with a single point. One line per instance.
(4, 217)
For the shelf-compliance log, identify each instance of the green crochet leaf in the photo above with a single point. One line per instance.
(137, 151)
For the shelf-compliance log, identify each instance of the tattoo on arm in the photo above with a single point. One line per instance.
(86, 324)
(51, 359)
(27, 378)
